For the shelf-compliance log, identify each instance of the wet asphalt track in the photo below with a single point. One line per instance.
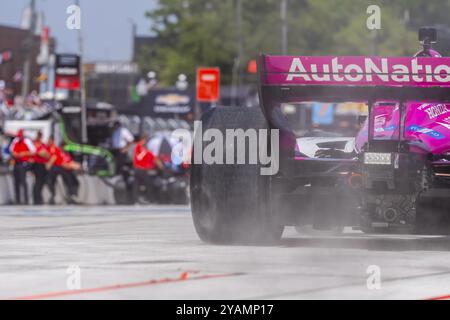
(154, 253)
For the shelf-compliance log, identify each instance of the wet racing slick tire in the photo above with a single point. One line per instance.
(230, 203)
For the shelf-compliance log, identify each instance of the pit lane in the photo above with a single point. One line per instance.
(153, 253)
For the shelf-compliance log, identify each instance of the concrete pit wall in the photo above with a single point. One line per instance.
(92, 191)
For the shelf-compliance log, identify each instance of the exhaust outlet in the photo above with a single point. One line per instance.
(390, 215)
(355, 181)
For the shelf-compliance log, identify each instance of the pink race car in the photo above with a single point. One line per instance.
(363, 141)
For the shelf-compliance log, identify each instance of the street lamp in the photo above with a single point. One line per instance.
(284, 26)
(152, 80)
(238, 60)
(182, 83)
(28, 46)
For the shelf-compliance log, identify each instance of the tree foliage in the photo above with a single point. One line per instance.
(192, 33)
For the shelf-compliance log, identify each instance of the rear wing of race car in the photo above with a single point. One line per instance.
(355, 78)
(294, 79)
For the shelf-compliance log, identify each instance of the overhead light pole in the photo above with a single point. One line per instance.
(28, 47)
(133, 38)
(237, 72)
(84, 135)
(284, 27)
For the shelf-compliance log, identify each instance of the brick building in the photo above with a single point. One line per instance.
(12, 38)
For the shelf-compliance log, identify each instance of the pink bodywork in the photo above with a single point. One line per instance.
(357, 71)
(425, 123)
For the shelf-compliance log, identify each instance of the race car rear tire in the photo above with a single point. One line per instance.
(230, 203)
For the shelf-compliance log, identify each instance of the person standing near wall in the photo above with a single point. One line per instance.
(40, 158)
(146, 166)
(22, 150)
(70, 167)
(61, 164)
(53, 166)
(121, 143)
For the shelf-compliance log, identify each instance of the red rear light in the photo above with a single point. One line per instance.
(185, 165)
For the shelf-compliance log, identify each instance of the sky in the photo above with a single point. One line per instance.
(105, 24)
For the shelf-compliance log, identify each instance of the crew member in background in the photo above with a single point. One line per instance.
(70, 168)
(58, 165)
(40, 158)
(53, 167)
(121, 143)
(146, 167)
(68, 163)
(22, 150)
